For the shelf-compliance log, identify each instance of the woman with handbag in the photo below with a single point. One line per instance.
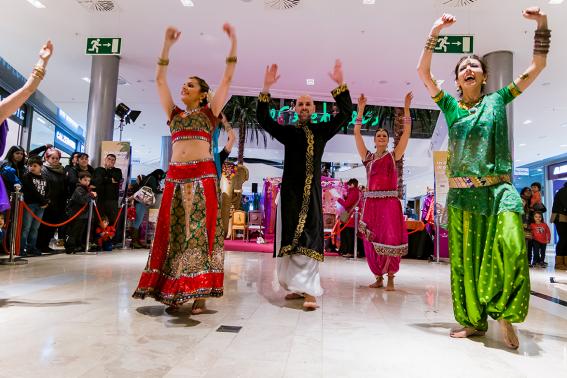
(187, 256)
(144, 197)
(382, 221)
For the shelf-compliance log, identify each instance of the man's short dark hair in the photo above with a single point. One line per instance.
(353, 182)
(34, 160)
(111, 155)
(84, 174)
(83, 154)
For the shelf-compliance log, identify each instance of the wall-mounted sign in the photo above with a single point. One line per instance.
(521, 171)
(454, 44)
(64, 141)
(103, 46)
(557, 171)
(19, 115)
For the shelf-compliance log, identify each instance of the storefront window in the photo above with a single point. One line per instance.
(43, 131)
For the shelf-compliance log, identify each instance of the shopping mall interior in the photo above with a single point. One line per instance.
(152, 228)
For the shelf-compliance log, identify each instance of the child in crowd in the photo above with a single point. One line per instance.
(77, 228)
(34, 188)
(104, 234)
(2, 223)
(541, 236)
(536, 203)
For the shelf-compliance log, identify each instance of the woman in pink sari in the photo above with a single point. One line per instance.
(382, 222)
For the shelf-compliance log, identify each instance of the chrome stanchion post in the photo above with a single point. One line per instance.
(356, 232)
(15, 199)
(89, 225)
(125, 224)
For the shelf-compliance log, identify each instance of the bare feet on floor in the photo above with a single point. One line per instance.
(464, 332)
(378, 284)
(292, 296)
(510, 338)
(390, 284)
(198, 307)
(310, 303)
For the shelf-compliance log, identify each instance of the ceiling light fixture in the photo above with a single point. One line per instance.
(555, 2)
(187, 3)
(36, 3)
(368, 2)
(522, 145)
(310, 81)
(88, 80)
(563, 145)
(527, 121)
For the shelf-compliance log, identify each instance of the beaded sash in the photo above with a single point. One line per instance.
(477, 182)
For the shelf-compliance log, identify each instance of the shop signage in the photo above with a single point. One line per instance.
(19, 115)
(64, 141)
(557, 171)
(67, 120)
(286, 116)
(521, 171)
(454, 44)
(103, 46)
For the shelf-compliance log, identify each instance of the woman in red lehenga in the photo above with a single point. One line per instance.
(382, 222)
(186, 260)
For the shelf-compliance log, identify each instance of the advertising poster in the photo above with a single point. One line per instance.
(441, 191)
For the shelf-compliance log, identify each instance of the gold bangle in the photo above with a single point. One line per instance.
(431, 43)
(231, 59)
(162, 62)
(38, 74)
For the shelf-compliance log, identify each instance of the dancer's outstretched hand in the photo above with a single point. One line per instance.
(270, 77)
(46, 51)
(533, 13)
(337, 74)
(171, 35)
(409, 97)
(444, 22)
(361, 103)
(229, 30)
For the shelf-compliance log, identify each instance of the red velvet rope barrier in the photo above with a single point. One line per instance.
(53, 224)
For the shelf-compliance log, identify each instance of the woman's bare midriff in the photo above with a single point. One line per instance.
(188, 150)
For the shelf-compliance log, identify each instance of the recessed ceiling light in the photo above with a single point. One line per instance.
(522, 145)
(87, 79)
(545, 84)
(187, 3)
(563, 145)
(36, 3)
(527, 121)
(517, 160)
(564, 124)
(555, 2)
(368, 2)
(310, 81)
(383, 82)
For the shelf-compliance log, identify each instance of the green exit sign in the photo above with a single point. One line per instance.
(103, 46)
(454, 44)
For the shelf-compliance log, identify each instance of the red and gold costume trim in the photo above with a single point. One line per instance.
(187, 258)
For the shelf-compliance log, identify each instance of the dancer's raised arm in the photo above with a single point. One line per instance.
(541, 48)
(171, 36)
(424, 66)
(360, 146)
(11, 103)
(400, 148)
(218, 101)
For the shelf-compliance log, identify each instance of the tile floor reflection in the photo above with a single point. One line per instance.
(73, 316)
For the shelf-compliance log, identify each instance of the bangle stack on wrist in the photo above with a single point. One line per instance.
(431, 43)
(406, 119)
(542, 41)
(231, 59)
(38, 72)
(358, 121)
(162, 62)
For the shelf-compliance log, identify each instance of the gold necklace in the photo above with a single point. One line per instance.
(191, 111)
(470, 106)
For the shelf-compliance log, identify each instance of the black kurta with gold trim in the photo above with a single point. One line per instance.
(301, 204)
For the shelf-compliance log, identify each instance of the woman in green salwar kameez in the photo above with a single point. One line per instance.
(489, 267)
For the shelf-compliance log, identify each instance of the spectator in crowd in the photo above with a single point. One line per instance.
(541, 237)
(35, 189)
(79, 198)
(54, 174)
(107, 181)
(2, 224)
(559, 218)
(104, 234)
(82, 166)
(349, 202)
(13, 167)
(225, 152)
(73, 161)
(536, 202)
(527, 216)
(152, 181)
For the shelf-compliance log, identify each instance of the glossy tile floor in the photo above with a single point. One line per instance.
(72, 316)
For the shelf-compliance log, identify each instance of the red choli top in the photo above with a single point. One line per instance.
(198, 125)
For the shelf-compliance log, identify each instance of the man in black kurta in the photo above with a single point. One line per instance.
(301, 205)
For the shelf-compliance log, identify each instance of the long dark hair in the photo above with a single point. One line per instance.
(10, 156)
(482, 65)
(204, 89)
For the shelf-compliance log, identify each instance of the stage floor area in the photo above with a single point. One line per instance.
(73, 316)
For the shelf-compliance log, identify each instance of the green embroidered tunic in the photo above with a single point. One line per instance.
(478, 147)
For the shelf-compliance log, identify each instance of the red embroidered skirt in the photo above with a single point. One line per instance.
(187, 255)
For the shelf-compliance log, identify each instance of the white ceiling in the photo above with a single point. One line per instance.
(379, 45)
